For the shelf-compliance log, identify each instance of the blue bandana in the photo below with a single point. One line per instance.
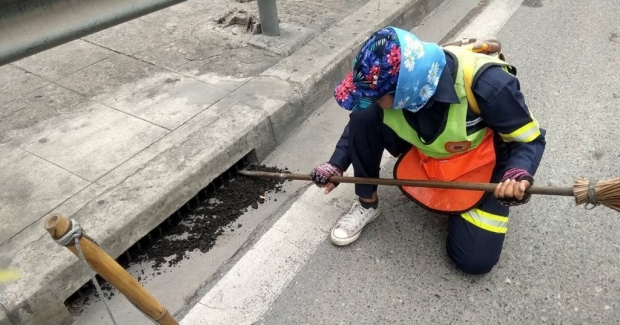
(392, 61)
(420, 67)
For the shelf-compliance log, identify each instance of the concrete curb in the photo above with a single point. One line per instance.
(155, 183)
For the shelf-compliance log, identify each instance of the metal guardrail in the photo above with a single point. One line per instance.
(28, 27)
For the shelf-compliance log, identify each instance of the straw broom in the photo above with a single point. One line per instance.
(589, 192)
(605, 192)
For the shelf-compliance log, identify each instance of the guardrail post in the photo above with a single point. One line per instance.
(268, 15)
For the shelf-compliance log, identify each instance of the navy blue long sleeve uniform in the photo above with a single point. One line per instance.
(502, 108)
(519, 143)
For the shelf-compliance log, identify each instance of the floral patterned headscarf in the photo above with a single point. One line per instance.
(392, 61)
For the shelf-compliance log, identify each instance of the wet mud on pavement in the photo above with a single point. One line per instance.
(200, 227)
(194, 229)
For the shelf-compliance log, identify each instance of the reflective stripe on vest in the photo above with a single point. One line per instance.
(454, 139)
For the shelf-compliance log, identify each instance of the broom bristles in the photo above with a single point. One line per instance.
(593, 193)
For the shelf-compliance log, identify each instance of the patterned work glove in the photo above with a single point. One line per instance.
(321, 173)
(517, 174)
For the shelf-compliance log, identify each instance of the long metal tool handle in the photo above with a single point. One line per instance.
(487, 187)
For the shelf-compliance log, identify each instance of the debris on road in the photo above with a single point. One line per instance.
(241, 17)
(196, 229)
(199, 229)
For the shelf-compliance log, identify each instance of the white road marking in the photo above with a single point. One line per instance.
(257, 279)
(491, 20)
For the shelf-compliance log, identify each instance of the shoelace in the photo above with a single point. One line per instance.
(352, 220)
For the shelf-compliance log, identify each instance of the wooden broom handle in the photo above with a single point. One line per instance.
(487, 187)
(102, 263)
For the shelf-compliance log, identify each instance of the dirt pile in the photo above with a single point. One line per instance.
(199, 228)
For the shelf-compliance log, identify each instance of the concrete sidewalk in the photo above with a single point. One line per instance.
(119, 129)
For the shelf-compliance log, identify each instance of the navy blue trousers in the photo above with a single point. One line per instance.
(473, 249)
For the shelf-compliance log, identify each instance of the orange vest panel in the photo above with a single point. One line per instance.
(473, 166)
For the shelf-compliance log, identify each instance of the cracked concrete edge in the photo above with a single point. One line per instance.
(257, 116)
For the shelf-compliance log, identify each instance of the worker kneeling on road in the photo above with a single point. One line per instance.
(411, 98)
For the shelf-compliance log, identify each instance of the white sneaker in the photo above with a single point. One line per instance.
(350, 226)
